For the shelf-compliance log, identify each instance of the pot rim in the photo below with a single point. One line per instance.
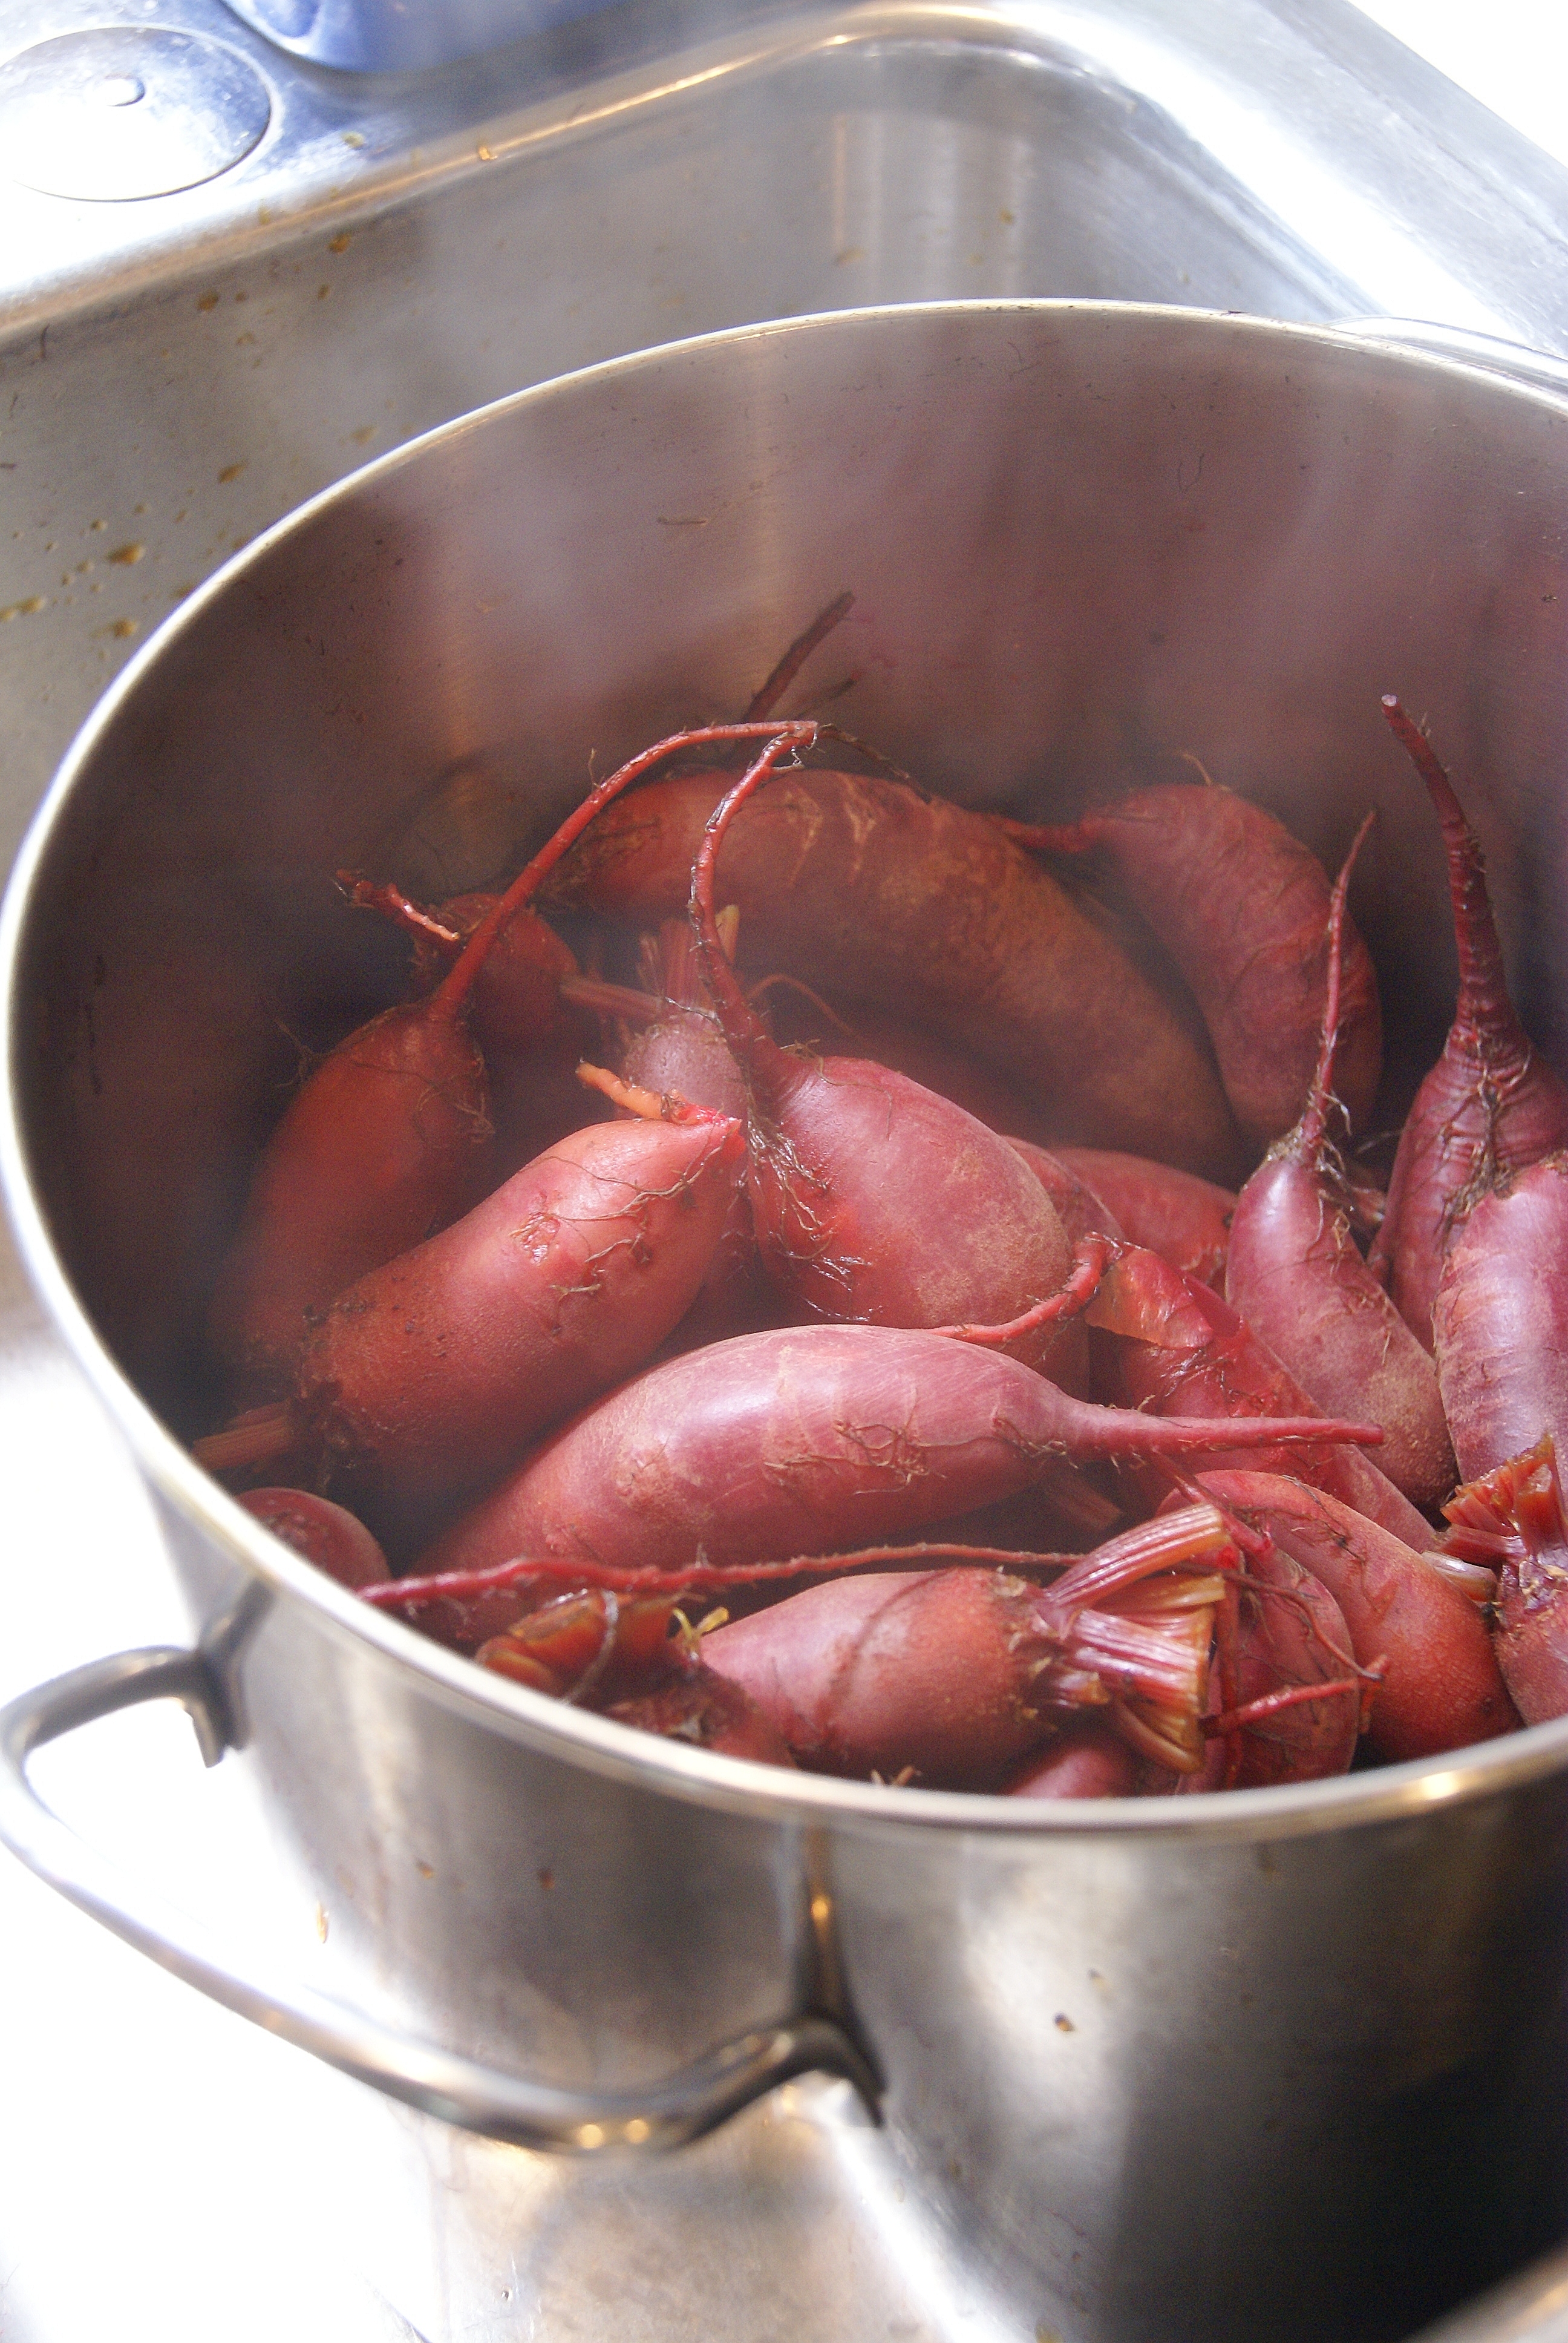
(619, 1752)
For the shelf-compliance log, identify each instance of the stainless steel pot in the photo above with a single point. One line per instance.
(1287, 2065)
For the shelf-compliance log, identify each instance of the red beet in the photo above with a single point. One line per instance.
(431, 1375)
(1242, 908)
(325, 1534)
(1079, 1207)
(1440, 1687)
(1086, 1761)
(682, 1049)
(864, 888)
(1281, 1635)
(800, 1442)
(1489, 1107)
(1296, 1276)
(947, 1677)
(872, 1199)
(1186, 1221)
(387, 1140)
(1183, 1352)
(1501, 1320)
(384, 1143)
(705, 1711)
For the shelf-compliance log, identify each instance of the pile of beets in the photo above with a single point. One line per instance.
(1014, 1343)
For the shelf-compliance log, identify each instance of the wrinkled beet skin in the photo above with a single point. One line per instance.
(431, 1375)
(860, 885)
(1458, 1137)
(1442, 1689)
(1532, 1641)
(1490, 1107)
(1501, 1321)
(706, 1709)
(808, 1441)
(1297, 1277)
(875, 1201)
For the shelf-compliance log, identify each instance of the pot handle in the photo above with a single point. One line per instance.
(1538, 369)
(648, 2121)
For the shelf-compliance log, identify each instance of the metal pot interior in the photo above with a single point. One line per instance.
(1087, 542)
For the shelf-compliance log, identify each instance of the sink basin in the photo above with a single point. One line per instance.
(178, 370)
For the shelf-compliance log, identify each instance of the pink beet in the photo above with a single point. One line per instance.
(806, 1441)
(872, 1199)
(1180, 1352)
(1297, 1277)
(1489, 1107)
(1501, 1320)
(325, 1534)
(1440, 1688)
(1242, 907)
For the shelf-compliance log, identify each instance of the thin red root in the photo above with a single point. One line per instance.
(368, 895)
(1093, 1257)
(744, 1031)
(653, 1106)
(766, 699)
(765, 984)
(1314, 1120)
(257, 1437)
(696, 1577)
(1272, 1703)
(453, 990)
(1425, 759)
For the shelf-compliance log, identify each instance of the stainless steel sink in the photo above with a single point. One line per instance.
(178, 370)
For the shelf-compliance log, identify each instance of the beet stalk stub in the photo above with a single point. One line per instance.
(1440, 1687)
(385, 1141)
(867, 890)
(1242, 909)
(1489, 1107)
(804, 1441)
(1501, 1320)
(873, 1199)
(949, 1677)
(1296, 1276)
(1522, 1500)
(1182, 1352)
(1280, 1635)
(431, 1375)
